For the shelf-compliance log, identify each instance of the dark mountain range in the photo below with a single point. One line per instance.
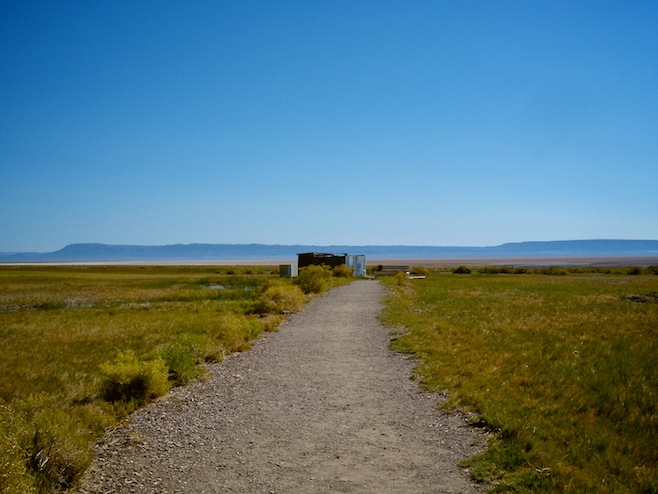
(91, 252)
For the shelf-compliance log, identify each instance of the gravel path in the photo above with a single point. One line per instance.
(320, 406)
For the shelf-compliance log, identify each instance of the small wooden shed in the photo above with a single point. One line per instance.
(319, 258)
(356, 262)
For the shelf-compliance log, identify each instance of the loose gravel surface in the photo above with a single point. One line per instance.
(322, 405)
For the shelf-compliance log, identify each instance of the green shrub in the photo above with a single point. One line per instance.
(634, 270)
(131, 380)
(489, 270)
(502, 270)
(314, 279)
(401, 279)
(183, 358)
(14, 478)
(59, 451)
(553, 271)
(462, 270)
(280, 298)
(343, 271)
(270, 322)
(653, 269)
(420, 270)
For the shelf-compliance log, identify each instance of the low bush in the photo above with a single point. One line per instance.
(14, 478)
(129, 379)
(183, 358)
(462, 270)
(314, 279)
(59, 450)
(489, 270)
(553, 271)
(342, 271)
(420, 270)
(280, 298)
(270, 322)
(401, 279)
(502, 270)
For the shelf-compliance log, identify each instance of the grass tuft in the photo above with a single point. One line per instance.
(183, 359)
(14, 476)
(129, 379)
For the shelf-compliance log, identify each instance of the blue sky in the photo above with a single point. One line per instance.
(345, 122)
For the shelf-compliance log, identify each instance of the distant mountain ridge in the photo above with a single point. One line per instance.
(96, 252)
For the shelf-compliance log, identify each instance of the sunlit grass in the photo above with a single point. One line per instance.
(561, 368)
(60, 326)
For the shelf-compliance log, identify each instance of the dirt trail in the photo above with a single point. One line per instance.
(320, 406)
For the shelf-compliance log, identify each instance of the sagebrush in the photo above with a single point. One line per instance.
(314, 279)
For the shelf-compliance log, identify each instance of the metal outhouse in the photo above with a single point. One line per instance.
(287, 271)
(357, 263)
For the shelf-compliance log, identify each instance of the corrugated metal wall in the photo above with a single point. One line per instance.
(357, 263)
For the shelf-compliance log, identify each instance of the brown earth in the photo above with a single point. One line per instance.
(600, 261)
(526, 261)
(320, 406)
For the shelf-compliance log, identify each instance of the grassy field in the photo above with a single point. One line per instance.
(561, 367)
(82, 346)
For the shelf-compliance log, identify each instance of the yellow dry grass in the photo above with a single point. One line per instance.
(60, 326)
(562, 369)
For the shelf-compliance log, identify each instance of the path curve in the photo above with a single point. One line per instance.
(320, 406)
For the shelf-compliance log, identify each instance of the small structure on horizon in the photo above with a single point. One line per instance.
(287, 271)
(356, 262)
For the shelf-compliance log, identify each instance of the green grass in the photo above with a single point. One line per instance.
(562, 370)
(79, 345)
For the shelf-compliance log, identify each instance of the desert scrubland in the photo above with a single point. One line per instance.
(555, 363)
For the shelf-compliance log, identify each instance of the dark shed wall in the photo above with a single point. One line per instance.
(318, 258)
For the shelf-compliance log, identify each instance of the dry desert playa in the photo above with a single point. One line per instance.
(501, 261)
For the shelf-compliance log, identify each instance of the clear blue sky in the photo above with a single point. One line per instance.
(344, 122)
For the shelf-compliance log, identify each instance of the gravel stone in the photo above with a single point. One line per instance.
(322, 405)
